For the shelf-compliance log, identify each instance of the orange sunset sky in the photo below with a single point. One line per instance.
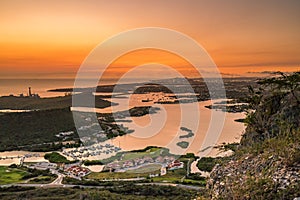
(50, 39)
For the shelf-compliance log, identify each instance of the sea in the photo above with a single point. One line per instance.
(39, 86)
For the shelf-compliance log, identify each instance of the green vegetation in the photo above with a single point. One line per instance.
(35, 173)
(153, 191)
(15, 189)
(127, 192)
(92, 162)
(30, 131)
(143, 110)
(182, 175)
(183, 144)
(151, 168)
(147, 149)
(55, 157)
(189, 133)
(229, 146)
(43, 179)
(174, 176)
(21, 103)
(276, 104)
(95, 182)
(206, 164)
(230, 109)
(151, 88)
(37, 130)
(190, 155)
(115, 175)
(240, 120)
(11, 175)
(285, 84)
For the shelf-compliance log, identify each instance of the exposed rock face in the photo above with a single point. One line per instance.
(249, 176)
(267, 162)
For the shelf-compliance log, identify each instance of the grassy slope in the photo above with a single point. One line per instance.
(151, 168)
(11, 175)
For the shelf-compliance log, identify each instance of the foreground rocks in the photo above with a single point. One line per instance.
(252, 177)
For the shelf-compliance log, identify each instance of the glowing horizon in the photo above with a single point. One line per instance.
(51, 39)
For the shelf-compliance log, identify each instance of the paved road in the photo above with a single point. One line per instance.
(59, 179)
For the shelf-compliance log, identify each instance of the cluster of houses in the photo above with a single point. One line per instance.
(93, 150)
(77, 171)
(127, 164)
(176, 164)
(72, 170)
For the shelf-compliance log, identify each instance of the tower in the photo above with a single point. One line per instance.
(29, 92)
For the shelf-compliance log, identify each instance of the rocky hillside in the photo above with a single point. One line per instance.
(266, 164)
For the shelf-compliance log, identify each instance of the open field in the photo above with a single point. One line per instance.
(134, 155)
(115, 175)
(150, 168)
(11, 175)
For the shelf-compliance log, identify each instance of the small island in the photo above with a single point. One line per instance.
(183, 144)
(189, 131)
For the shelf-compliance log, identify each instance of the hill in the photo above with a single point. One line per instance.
(266, 164)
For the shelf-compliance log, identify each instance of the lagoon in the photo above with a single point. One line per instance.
(169, 133)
